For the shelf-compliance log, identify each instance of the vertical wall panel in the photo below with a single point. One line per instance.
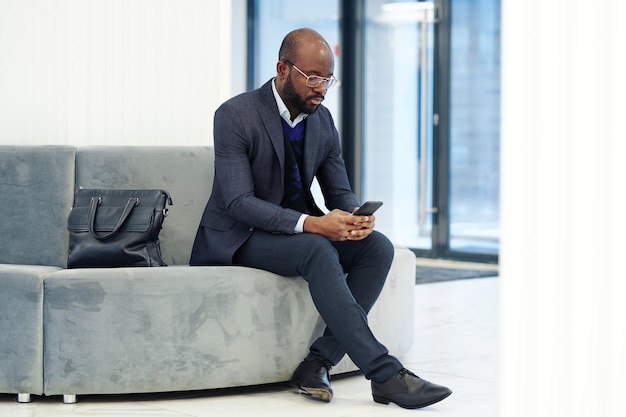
(563, 218)
(134, 72)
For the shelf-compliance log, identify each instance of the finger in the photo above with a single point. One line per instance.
(358, 234)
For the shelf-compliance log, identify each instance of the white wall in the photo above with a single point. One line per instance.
(562, 256)
(133, 72)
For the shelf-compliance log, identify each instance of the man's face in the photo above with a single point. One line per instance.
(308, 100)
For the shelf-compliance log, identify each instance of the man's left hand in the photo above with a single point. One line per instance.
(362, 226)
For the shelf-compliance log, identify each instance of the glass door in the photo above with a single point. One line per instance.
(430, 142)
(398, 118)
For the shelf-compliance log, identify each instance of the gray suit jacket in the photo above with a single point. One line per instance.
(249, 174)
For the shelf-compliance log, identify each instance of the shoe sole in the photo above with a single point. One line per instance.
(383, 400)
(317, 393)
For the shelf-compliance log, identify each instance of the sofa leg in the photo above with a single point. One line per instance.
(23, 398)
(69, 399)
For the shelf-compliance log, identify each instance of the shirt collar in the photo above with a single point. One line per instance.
(282, 108)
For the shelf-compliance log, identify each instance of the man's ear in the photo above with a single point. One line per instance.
(282, 70)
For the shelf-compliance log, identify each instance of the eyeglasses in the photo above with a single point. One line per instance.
(313, 81)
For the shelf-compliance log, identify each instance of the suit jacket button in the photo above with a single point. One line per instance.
(251, 229)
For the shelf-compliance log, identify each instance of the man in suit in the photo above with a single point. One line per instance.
(269, 145)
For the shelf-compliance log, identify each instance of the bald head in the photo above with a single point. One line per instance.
(304, 41)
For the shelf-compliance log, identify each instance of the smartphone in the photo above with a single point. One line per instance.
(369, 207)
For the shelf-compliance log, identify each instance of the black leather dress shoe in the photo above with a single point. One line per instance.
(311, 378)
(408, 391)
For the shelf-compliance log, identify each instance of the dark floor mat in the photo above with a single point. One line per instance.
(428, 274)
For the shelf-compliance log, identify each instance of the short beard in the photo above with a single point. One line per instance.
(293, 98)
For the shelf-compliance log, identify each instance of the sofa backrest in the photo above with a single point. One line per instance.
(36, 195)
(183, 171)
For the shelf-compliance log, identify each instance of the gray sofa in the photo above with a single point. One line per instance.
(131, 330)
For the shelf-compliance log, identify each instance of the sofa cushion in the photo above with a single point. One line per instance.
(171, 329)
(37, 187)
(185, 172)
(21, 328)
(125, 330)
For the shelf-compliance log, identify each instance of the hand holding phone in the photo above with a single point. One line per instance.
(368, 208)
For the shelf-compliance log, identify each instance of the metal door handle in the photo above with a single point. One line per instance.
(426, 8)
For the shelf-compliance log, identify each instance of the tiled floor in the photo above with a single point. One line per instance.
(456, 345)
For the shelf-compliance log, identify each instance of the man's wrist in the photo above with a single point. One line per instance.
(300, 225)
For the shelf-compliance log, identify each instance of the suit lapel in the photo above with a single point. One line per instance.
(268, 111)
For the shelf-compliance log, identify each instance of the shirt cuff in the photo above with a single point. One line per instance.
(300, 225)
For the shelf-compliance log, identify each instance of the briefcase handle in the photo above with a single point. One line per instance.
(93, 207)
